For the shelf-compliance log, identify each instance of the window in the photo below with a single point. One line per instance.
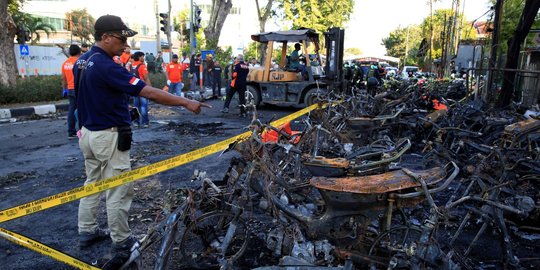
(57, 23)
(235, 11)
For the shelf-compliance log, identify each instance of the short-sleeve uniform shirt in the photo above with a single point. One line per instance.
(67, 70)
(174, 70)
(102, 95)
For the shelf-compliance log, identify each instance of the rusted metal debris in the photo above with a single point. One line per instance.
(380, 182)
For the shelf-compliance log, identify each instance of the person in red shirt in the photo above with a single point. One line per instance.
(68, 84)
(139, 70)
(174, 72)
(124, 58)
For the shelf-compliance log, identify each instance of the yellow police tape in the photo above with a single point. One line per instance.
(43, 249)
(102, 185)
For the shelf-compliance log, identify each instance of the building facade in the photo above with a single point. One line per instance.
(140, 15)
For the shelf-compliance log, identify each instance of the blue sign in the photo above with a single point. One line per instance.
(24, 50)
(208, 52)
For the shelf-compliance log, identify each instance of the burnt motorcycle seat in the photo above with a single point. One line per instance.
(379, 183)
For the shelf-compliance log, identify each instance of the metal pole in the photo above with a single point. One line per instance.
(430, 36)
(169, 32)
(191, 33)
(158, 38)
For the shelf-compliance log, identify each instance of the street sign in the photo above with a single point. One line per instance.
(24, 50)
(204, 53)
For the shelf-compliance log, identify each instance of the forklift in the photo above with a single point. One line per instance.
(282, 86)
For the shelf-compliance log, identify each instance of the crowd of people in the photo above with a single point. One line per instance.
(179, 72)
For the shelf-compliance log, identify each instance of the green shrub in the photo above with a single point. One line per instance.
(32, 89)
(158, 80)
(49, 88)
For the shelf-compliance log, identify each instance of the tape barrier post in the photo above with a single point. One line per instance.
(43, 249)
(130, 176)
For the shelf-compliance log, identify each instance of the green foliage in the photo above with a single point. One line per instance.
(440, 17)
(317, 14)
(14, 6)
(223, 56)
(33, 25)
(252, 51)
(81, 25)
(406, 41)
(511, 14)
(180, 21)
(32, 89)
(158, 80)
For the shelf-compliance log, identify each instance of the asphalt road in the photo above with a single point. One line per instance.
(38, 160)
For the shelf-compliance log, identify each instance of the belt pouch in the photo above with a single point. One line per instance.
(124, 138)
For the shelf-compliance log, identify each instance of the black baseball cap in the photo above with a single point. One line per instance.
(111, 23)
(175, 56)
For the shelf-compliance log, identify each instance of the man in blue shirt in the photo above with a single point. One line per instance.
(102, 89)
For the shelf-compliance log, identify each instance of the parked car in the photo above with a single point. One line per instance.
(391, 71)
(409, 71)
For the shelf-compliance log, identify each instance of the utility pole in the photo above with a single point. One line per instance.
(158, 38)
(406, 47)
(192, 39)
(430, 35)
(169, 32)
(489, 94)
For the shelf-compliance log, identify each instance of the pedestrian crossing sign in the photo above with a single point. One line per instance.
(24, 50)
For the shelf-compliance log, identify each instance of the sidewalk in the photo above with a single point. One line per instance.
(10, 111)
(25, 109)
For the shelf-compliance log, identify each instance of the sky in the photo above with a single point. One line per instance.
(373, 20)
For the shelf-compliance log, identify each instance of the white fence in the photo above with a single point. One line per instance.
(40, 61)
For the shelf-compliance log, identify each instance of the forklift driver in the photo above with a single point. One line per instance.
(295, 61)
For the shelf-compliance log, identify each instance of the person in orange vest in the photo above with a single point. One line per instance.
(174, 72)
(124, 58)
(68, 84)
(138, 70)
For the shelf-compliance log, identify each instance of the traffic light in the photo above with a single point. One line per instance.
(196, 18)
(165, 27)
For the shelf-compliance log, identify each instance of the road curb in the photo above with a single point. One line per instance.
(39, 110)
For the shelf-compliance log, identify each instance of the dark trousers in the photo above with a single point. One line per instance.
(241, 95)
(71, 113)
(216, 83)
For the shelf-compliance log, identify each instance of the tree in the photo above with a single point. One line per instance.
(81, 25)
(436, 24)
(8, 64)
(263, 14)
(511, 15)
(179, 25)
(251, 51)
(526, 20)
(316, 14)
(218, 14)
(403, 43)
(35, 25)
